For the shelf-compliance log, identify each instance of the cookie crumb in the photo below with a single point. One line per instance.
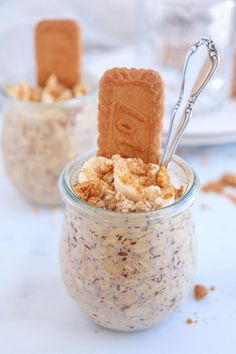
(212, 288)
(217, 187)
(189, 320)
(163, 178)
(200, 291)
(228, 180)
(88, 189)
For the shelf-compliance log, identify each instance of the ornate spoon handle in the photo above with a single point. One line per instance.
(200, 64)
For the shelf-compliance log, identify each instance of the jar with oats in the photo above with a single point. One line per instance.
(43, 130)
(128, 270)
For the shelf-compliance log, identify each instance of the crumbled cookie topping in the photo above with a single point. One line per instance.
(53, 91)
(89, 189)
(125, 185)
(179, 192)
(163, 178)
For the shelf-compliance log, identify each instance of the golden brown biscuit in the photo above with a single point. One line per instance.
(58, 51)
(131, 107)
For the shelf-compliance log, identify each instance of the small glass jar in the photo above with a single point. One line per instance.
(40, 139)
(128, 271)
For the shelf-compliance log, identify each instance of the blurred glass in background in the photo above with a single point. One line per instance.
(172, 26)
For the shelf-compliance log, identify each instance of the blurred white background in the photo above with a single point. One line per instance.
(36, 314)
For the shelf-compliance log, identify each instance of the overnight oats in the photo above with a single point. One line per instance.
(45, 128)
(128, 252)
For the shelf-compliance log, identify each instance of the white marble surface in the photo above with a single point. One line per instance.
(37, 316)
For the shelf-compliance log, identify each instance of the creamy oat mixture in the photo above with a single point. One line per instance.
(125, 185)
(40, 139)
(126, 271)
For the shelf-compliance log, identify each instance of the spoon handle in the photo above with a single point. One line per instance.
(200, 64)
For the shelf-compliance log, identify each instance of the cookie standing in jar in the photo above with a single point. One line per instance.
(128, 252)
(48, 124)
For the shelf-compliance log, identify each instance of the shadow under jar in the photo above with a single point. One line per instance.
(40, 139)
(128, 271)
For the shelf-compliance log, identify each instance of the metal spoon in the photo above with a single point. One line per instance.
(200, 64)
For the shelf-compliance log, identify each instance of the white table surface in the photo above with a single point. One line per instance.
(38, 317)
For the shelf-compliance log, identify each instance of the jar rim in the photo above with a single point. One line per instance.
(69, 196)
(66, 103)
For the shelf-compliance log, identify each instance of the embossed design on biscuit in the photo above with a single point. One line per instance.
(58, 51)
(131, 105)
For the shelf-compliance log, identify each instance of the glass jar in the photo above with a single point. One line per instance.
(128, 271)
(39, 139)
